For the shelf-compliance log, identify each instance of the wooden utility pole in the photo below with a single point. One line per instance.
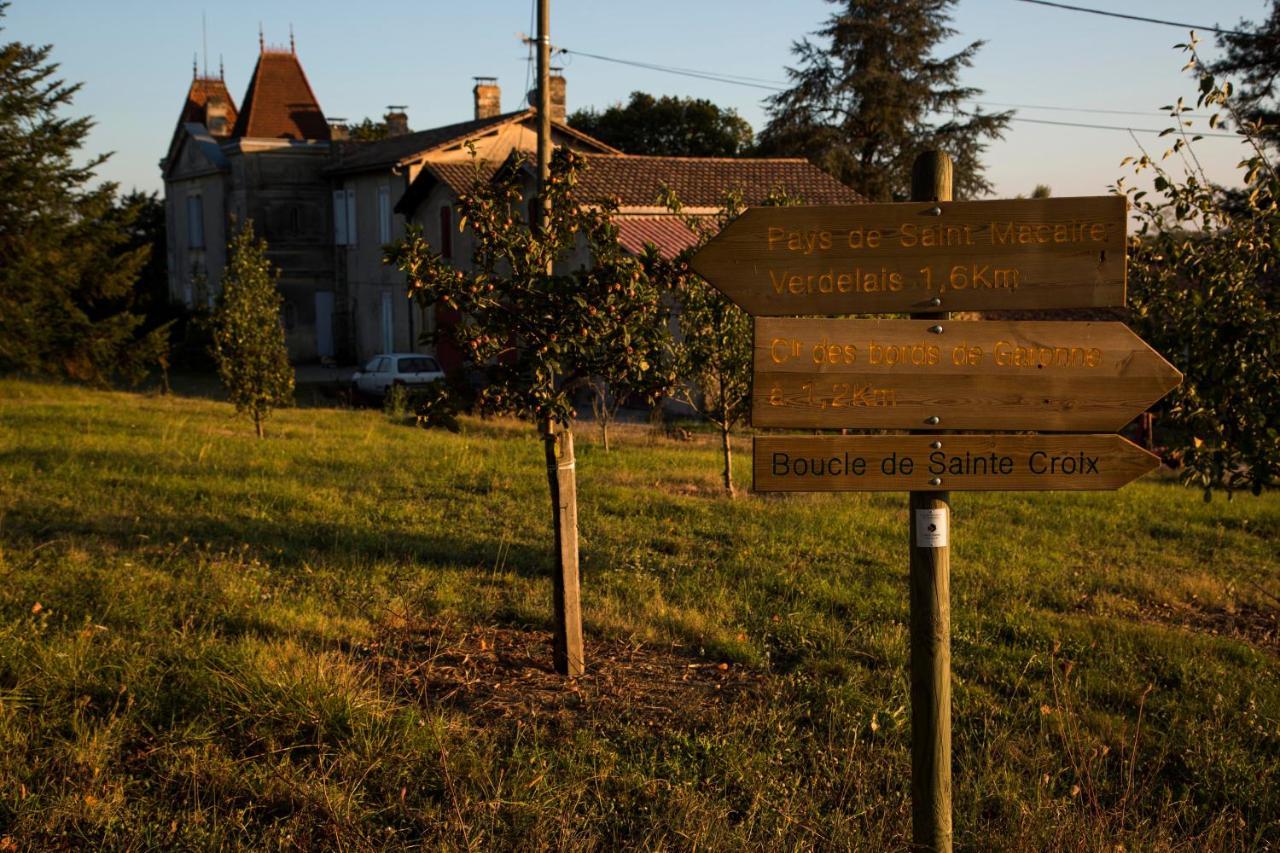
(567, 653)
(544, 107)
(930, 521)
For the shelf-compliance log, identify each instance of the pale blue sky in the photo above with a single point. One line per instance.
(134, 57)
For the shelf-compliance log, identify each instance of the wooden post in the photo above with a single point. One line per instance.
(567, 654)
(930, 517)
(544, 107)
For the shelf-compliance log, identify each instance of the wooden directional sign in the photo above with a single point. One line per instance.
(904, 374)
(883, 463)
(921, 256)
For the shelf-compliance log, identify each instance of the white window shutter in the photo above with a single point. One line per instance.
(351, 218)
(339, 218)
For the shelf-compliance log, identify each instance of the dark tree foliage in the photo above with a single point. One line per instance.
(667, 125)
(68, 270)
(146, 229)
(369, 130)
(1254, 60)
(869, 95)
(1204, 285)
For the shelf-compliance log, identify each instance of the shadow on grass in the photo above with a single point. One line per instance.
(319, 394)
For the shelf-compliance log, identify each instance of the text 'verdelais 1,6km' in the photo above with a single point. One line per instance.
(909, 257)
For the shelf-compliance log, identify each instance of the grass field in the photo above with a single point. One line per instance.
(337, 638)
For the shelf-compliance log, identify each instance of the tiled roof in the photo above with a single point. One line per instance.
(203, 90)
(279, 103)
(388, 152)
(458, 175)
(668, 234)
(702, 181)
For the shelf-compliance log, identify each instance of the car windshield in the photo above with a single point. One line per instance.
(418, 365)
(372, 367)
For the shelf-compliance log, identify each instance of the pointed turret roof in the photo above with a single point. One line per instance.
(279, 103)
(207, 100)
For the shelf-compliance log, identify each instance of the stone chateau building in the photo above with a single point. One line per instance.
(327, 204)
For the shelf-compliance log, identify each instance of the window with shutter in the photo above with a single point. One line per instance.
(351, 218)
(339, 218)
(446, 232)
(195, 222)
(384, 215)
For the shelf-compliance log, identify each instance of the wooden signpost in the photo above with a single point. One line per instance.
(930, 373)
(968, 463)
(931, 256)
(956, 374)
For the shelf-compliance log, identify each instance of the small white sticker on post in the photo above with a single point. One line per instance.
(931, 528)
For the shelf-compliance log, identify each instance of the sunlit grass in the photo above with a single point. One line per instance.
(186, 613)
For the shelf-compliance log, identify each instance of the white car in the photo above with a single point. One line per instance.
(412, 370)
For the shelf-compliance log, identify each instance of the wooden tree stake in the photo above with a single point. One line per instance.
(567, 653)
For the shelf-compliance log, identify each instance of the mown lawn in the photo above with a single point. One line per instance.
(337, 638)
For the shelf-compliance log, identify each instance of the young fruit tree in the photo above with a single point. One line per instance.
(248, 339)
(543, 312)
(1204, 281)
(713, 348)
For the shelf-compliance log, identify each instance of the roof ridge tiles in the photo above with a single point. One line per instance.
(621, 154)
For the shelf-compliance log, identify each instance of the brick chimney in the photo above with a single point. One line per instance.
(557, 95)
(397, 120)
(488, 97)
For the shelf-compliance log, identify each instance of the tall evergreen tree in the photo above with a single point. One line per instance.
(677, 127)
(1254, 58)
(67, 270)
(869, 95)
(248, 339)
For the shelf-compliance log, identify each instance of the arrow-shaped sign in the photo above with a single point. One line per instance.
(889, 463)
(919, 374)
(943, 256)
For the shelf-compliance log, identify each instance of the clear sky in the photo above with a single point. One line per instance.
(135, 58)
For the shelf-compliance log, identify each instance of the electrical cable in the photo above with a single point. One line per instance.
(742, 80)
(1070, 8)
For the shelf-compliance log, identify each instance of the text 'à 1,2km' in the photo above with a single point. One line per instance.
(874, 258)
(954, 374)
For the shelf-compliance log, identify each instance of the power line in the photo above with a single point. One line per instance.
(1137, 18)
(741, 80)
(734, 79)
(764, 83)
(1077, 109)
(1114, 127)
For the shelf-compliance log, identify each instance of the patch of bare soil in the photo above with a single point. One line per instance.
(1255, 625)
(505, 673)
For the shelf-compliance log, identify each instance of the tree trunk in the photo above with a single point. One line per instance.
(257, 422)
(728, 459)
(604, 432)
(567, 653)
